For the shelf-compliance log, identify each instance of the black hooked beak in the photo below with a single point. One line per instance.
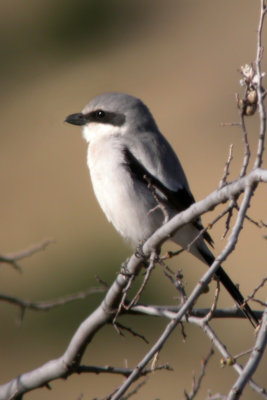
(76, 119)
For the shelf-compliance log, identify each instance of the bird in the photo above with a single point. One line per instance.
(138, 179)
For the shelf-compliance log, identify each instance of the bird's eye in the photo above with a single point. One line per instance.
(100, 114)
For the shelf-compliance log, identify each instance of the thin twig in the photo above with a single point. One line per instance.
(209, 316)
(153, 259)
(229, 217)
(253, 361)
(160, 205)
(108, 369)
(212, 223)
(178, 284)
(247, 147)
(196, 383)
(12, 258)
(47, 305)
(124, 296)
(226, 172)
(135, 390)
(121, 327)
(260, 285)
(259, 302)
(171, 311)
(228, 359)
(242, 354)
(248, 218)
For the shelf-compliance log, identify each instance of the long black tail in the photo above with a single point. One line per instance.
(237, 296)
(232, 290)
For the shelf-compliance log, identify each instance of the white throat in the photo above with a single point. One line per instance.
(95, 130)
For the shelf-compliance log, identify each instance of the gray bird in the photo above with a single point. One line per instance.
(133, 168)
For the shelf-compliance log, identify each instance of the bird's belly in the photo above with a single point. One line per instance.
(128, 204)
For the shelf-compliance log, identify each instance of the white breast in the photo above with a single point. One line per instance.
(125, 202)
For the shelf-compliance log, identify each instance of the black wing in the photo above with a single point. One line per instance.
(179, 200)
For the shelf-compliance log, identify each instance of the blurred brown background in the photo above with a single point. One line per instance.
(181, 58)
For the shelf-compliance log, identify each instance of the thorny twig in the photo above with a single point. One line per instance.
(123, 299)
(228, 359)
(242, 354)
(125, 372)
(134, 391)
(107, 369)
(211, 224)
(253, 361)
(123, 303)
(247, 148)
(229, 217)
(178, 284)
(252, 296)
(119, 327)
(170, 312)
(197, 382)
(153, 259)
(226, 172)
(233, 205)
(12, 258)
(160, 205)
(248, 218)
(209, 316)
(47, 305)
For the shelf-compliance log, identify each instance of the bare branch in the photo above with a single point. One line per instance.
(253, 362)
(196, 383)
(153, 259)
(229, 217)
(135, 390)
(228, 359)
(12, 258)
(118, 370)
(171, 311)
(257, 288)
(247, 148)
(178, 284)
(124, 295)
(121, 327)
(226, 172)
(47, 305)
(209, 316)
(159, 202)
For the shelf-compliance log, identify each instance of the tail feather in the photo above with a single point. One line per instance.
(237, 296)
(232, 289)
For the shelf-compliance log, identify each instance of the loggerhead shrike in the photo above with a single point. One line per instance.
(126, 152)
